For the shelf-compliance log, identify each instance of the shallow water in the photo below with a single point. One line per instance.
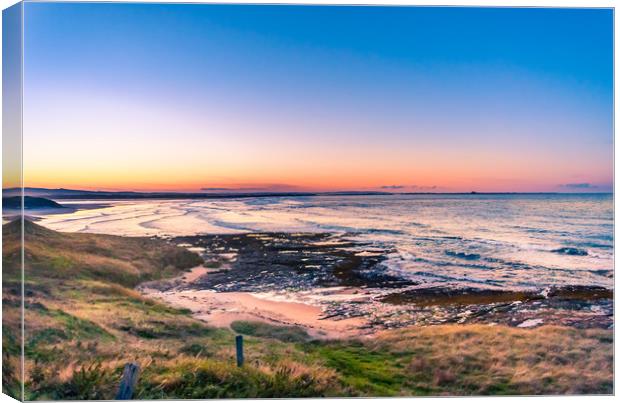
(490, 241)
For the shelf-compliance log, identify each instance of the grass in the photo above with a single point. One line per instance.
(192, 378)
(366, 372)
(259, 329)
(481, 359)
(124, 261)
(84, 322)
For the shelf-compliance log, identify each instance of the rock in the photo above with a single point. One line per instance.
(531, 323)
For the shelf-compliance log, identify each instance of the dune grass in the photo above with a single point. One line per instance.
(259, 329)
(84, 322)
(474, 360)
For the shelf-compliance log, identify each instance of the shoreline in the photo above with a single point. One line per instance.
(336, 287)
(221, 309)
(256, 277)
(76, 194)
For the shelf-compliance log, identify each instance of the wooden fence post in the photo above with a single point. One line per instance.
(128, 381)
(239, 343)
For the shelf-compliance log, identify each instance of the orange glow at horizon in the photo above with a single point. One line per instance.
(389, 174)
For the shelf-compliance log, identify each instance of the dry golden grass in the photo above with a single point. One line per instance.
(486, 359)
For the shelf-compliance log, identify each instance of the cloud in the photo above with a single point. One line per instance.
(414, 188)
(393, 187)
(579, 186)
(268, 187)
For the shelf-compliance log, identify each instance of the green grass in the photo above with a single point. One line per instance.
(78, 328)
(372, 373)
(11, 352)
(290, 334)
(158, 329)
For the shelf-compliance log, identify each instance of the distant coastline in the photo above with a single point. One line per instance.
(62, 193)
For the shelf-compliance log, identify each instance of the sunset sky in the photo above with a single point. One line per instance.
(190, 97)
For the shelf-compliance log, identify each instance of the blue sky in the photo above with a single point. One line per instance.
(137, 96)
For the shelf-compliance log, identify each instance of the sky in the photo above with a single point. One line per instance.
(292, 98)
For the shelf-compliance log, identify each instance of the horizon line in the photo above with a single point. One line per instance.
(80, 193)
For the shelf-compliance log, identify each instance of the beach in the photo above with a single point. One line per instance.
(356, 265)
(222, 309)
(340, 324)
(338, 292)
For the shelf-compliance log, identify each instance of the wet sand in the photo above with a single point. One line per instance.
(220, 309)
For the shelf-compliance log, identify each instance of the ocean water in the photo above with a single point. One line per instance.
(483, 241)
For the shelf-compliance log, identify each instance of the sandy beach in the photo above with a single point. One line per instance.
(221, 309)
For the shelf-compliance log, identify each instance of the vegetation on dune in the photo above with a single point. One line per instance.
(473, 360)
(194, 378)
(126, 261)
(260, 329)
(11, 351)
(84, 322)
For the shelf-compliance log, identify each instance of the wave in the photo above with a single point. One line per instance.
(571, 251)
(463, 255)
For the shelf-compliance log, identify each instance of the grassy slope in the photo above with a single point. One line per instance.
(84, 322)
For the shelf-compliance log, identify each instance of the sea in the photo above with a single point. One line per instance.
(503, 241)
